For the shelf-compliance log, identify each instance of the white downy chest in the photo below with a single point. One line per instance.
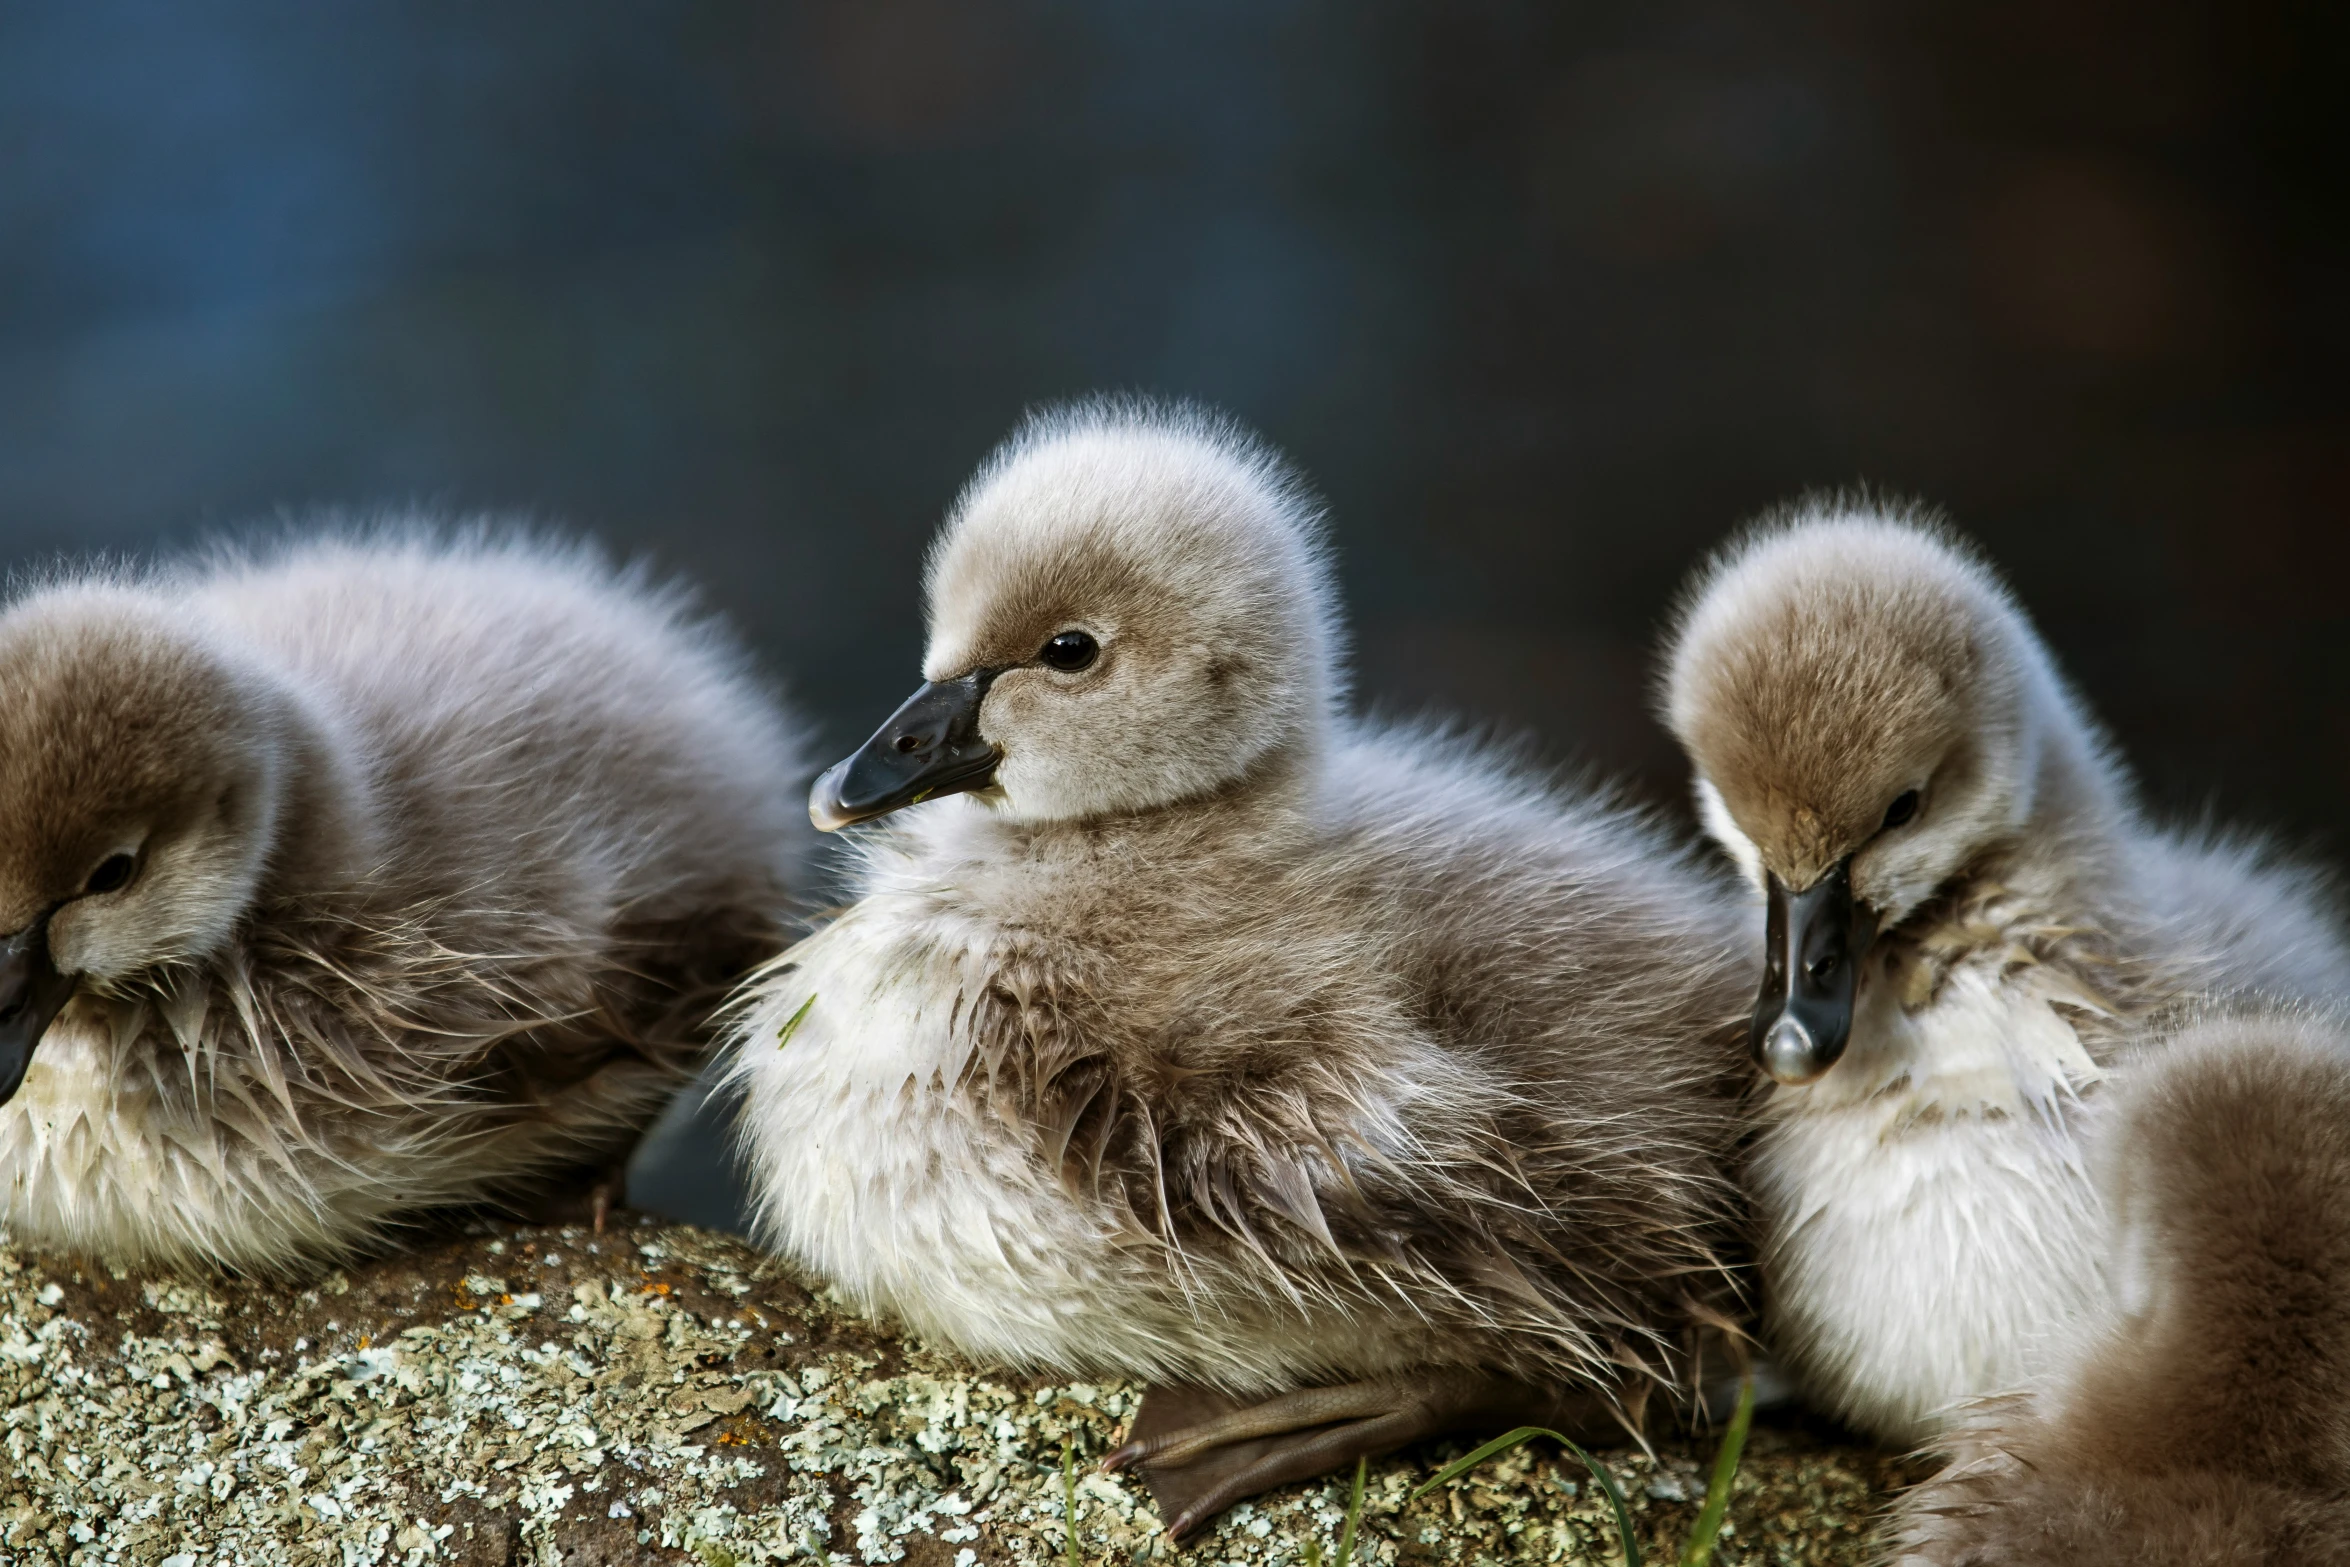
(918, 1200)
(1930, 1225)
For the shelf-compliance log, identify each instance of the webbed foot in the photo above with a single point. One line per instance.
(1200, 1452)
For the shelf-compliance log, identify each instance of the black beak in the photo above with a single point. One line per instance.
(929, 747)
(31, 994)
(1814, 941)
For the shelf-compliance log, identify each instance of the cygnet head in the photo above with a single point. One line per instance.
(1867, 710)
(140, 776)
(1129, 606)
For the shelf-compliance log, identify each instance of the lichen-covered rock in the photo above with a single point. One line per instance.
(666, 1395)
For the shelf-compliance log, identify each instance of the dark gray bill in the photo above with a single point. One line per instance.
(1813, 943)
(31, 994)
(929, 747)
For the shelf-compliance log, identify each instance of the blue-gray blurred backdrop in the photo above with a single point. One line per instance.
(1545, 296)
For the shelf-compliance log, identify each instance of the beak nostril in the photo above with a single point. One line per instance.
(1822, 968)
(930, 746)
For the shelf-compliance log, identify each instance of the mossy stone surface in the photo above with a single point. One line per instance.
(662, 1394)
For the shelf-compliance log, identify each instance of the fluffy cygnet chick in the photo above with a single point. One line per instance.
(356, 878)
(1966, 915)
(1207, 1036)
(2204, 1421)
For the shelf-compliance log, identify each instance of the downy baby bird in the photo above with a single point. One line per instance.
(1967, 916)
(1339, 1079)
(358, 877)
(2202, 1419)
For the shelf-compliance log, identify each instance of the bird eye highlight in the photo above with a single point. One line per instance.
(1904, 807)
(112, 875)
(1070, 651)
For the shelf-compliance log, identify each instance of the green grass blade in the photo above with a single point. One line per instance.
(1354, 1516)
(1700, 1550)
(792, 1024)
(1462, 1465)
(1520, 1437)
(1069, 1500)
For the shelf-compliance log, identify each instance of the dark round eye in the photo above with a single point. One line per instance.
(112, 875)
(1071, 650)
(1904, 806)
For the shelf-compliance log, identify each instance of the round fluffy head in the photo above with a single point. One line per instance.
(1853, 684)
(139, 781)
(1186, 559)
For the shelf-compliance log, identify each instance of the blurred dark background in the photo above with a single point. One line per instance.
(1546, 297)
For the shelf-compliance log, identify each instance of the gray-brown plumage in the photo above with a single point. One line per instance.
(1212, 1037)
(1970, 917)
(2203, 1420)
(359, 877)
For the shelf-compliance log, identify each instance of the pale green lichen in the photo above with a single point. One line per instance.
(664, 1394)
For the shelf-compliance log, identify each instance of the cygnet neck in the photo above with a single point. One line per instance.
(2081, 803)
(324, 838)
(1271, 801)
